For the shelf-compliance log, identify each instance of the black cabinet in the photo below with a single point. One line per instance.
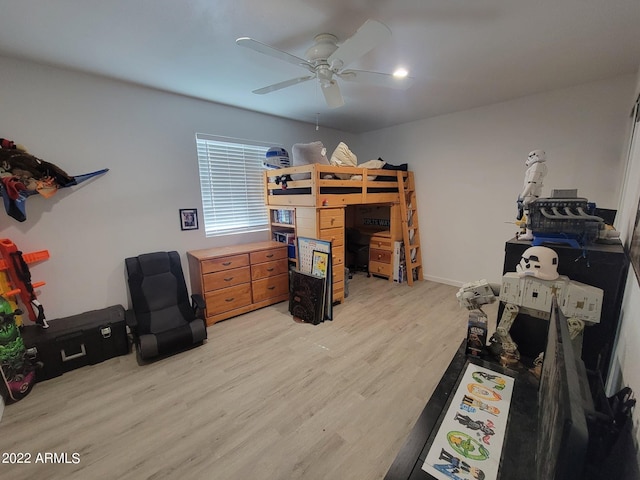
(601, 265)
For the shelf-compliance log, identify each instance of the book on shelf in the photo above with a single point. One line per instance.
(399, 263)
(283, 216)
(284, 237)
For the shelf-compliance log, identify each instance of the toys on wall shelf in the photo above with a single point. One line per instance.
(23, 175)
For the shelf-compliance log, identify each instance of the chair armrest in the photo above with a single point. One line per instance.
(198, 304)
(131, 321)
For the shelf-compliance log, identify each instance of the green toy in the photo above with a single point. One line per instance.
(17, 372)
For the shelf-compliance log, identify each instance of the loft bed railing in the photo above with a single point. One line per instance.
(311, 187)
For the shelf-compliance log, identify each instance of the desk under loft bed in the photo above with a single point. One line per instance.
(314, 201)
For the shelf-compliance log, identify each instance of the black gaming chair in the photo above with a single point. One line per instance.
(162, 320)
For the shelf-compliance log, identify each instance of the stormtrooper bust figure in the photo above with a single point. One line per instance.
(539, 262)
(536, 171)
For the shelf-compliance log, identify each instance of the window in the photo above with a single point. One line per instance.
(231, 184)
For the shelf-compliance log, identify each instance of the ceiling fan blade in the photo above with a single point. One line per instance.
(368, 36)
(273, 52)
(332, 94)
(376, 78)
(281, 85)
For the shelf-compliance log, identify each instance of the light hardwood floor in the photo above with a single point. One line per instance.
(264, 398)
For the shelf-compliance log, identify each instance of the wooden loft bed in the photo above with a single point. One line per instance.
(318, 191)
(316, 206)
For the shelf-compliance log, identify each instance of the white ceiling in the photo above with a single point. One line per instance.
(462, 53)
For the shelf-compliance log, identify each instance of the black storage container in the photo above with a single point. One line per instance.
(76, 341)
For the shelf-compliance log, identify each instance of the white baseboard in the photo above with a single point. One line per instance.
(446, 281)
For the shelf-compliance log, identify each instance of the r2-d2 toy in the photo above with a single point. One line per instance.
(275, 158)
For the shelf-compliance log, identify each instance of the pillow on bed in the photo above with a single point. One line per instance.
(343, 157)
(373, 164)
(307, 153)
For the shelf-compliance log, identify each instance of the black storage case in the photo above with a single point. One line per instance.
(76, 341)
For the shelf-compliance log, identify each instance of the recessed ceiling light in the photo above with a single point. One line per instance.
(400, 73)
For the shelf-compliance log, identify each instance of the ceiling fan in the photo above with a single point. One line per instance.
(326, 60)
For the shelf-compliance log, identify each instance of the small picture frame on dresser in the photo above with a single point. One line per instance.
(188, 219)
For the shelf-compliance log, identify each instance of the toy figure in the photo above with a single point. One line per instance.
(497, 380)
(455, 465)
(530, 290)
(17, 374)
(532, 188)
(471, 424)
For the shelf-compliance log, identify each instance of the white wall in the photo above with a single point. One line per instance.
(626, 358)
(470, 168)
(146, 138)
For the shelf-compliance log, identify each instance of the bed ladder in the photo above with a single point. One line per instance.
(410, 230)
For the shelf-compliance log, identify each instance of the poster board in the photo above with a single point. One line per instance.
(307, 297)
(470, 439)
(306, 249)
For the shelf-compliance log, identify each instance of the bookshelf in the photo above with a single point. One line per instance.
(282, 224)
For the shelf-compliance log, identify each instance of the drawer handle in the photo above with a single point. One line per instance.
(379, 256)
(270, 255)
(229, 299)
(81, 353)
(271, 288)
(332, 220)
(228, 279)
(270, 269)
(226, 264)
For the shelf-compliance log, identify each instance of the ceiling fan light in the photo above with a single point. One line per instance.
(400, 73)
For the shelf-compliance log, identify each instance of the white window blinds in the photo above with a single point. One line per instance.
(231, 184)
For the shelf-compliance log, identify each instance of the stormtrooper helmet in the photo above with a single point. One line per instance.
(536, 156)
(539, 262)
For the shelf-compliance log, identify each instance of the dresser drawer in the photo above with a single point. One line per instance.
(382, 256)
(226, 278)
(225, 263)
(270, 287)
(337, 273)
(226, 299)
(333, 235)
(381, 243)
(338, 291)
(331, 218)
(269, 269)
(268, 255)
(377, 268)
(337, 256)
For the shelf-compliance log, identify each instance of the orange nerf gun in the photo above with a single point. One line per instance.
(15, 278)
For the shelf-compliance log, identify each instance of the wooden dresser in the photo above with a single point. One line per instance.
(381, 255)
(239, 278)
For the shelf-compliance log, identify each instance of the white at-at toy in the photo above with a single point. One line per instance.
(530, 290)
(532, 189)
(473, 295)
